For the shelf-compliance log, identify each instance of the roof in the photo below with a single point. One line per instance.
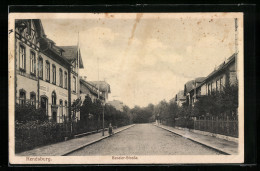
(218, 69)
(191, 84)
(91, 87)
(71, 54)
(180, 95)
(102, 85)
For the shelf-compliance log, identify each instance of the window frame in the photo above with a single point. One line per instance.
(47, 68)
(65, 79)
(34, 98)
(53, 98)
(53, 74)
(20, 99)
(23, 68)
(61, 77)
(74, 84)
(40, 67)
(32, 62)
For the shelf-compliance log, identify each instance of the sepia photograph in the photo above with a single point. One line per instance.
(126, 88)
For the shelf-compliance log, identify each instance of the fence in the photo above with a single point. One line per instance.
(218, 126)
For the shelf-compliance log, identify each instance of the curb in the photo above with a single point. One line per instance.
(196, 141)
(92, 142)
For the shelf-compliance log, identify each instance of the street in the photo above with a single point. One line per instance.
(145, 139)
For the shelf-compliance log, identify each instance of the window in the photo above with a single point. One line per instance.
(65, 80)
(53, 74)
(221, 83)
(208, 89)
(47, 71)
(33, 63)
(22, 97)
(44, 104)
(40, 68)
(22, 57)
(74, 84)
(66, 107)
(217, 85)
(33, 99)
(53, 97)
(61, 107)
(61, 78)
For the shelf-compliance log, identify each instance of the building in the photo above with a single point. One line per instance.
(180, 98)
(222, 76)
(87, 89)
(103, 87)
(116, 104)
(44, 71)
(190, 85)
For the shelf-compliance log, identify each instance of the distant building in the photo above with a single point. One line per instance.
(87, 89)
(117, 104)
(103, 87)
(180, 98)
(190, 85)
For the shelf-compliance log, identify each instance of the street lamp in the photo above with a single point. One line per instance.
(103, 132)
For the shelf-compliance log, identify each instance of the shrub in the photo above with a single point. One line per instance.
(34, 133)
(28, 112)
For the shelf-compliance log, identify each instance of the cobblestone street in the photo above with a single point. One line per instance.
(145, 139)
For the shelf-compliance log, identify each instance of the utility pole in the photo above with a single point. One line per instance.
(236, 46)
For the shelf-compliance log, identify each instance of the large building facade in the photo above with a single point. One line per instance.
(46, 75)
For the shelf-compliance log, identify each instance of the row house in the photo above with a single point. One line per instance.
(46, 75)
(222, 76)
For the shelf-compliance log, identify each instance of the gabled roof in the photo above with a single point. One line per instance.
(102, 85)
(71, 54)
(91, 88)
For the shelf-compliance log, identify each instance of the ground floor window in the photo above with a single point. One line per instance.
(22, 97)
(33, 99)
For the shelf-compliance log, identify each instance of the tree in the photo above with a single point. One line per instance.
(86, 108)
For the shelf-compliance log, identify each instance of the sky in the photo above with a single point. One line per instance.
(145, 57)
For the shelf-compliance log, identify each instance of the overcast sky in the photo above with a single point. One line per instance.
(146, 59)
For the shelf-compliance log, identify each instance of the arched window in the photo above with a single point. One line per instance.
(33, 98)
(22, 97)
(53, 97)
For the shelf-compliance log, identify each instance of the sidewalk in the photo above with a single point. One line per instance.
(66, 147)
(224, 146)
